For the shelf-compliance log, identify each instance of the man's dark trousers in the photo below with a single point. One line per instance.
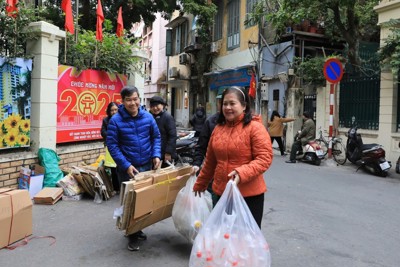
(295, 147)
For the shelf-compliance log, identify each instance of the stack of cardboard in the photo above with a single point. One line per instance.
(48, 195)
(150, 197)
(15, 215)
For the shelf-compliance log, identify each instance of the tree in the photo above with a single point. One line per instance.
(133, 11)
(349, 20)
(204, 12)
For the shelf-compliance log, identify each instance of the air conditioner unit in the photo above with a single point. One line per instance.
(264, 91)
(183, 59)
(215, 46)
(173, 72)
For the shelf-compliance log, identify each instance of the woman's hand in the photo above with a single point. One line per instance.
(167, 157)
(156, 163)
(198, 189)
(194, 170)
(234, 176)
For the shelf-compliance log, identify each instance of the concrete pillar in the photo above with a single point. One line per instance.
(44, 84)
(295, 104)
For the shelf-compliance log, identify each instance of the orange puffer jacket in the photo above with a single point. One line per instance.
(246, 149)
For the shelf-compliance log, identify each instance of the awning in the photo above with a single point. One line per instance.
(176, 21)
(216, 72)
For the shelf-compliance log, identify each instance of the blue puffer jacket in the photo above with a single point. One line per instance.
(133, 140)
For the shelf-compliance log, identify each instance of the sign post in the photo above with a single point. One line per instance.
(333, 72)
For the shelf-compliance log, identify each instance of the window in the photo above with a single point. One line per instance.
(180, 35)
(218, 19)
(233, 23)
(249, 9)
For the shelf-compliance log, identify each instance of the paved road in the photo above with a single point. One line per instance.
(314, 216)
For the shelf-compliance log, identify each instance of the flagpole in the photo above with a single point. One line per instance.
(95, 55)
(76, 20)
(15, 37)
(65, 47)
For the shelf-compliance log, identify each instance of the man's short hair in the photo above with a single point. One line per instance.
(307, 114)
(127, 91)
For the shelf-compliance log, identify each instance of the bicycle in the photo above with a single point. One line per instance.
(338, 149)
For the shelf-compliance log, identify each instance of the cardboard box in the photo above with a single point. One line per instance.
(154, 203)
(15, 215)
(48, 195)
(150, 200)
(33, 183)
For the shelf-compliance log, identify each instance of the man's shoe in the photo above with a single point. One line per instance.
(141, 236)
(291, 161)
(133, 245)
(299, 153)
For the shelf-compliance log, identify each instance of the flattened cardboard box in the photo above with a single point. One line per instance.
(48, 195)
(15, 215)
(153, 203)
(152, 200)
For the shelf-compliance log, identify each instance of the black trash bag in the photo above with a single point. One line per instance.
(49, 160)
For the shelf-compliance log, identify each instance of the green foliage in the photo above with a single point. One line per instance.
(352, 21)
(14, 32)
(112, 55)
(205, 16)
(311, 70)
(389, 54)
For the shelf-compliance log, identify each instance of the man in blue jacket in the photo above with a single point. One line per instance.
(134, 142)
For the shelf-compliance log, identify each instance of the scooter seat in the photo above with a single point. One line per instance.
(368, 146)
(184, 142)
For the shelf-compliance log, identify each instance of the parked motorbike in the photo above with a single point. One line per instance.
(312, 153)
(185, 147)
(368, 156)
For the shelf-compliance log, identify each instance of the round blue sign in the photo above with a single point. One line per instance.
(333, 70)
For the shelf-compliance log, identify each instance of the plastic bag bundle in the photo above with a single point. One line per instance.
(190, 212)
(231, 236)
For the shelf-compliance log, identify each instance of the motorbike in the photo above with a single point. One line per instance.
(185, 147)
(312, 153)
(368, 156)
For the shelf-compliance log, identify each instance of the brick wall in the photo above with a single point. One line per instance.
(9, 171)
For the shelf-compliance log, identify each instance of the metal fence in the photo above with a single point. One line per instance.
(360, 91)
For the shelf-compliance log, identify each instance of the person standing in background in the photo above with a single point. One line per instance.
(112, 109)
(134, 142)
(275, 129)
(167, 127)
(198, 120)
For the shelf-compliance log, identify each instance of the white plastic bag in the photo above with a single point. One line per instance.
(190, 212)
(231, 236)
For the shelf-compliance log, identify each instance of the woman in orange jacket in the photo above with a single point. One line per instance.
(240, 149)
(275, 129)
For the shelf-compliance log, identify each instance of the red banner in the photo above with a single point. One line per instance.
(82, 101)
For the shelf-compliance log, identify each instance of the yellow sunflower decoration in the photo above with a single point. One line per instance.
(2, 130)
(2, 142)
(22, 139)
(12, 122)
(11, 137)
(25, 126)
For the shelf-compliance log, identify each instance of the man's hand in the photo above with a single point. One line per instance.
(156, 163)
(194, 170)
(131, 171)
(167, 157)
(234, 176)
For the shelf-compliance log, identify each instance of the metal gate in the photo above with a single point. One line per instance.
(310, 105)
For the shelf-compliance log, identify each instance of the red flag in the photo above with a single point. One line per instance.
(11, 8)
(120, 23)
(99, 24)
(69, 20)
(252, 90)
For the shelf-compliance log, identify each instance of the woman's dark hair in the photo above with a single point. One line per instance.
(274, 113)
(243, 99)
(127, 91)
(108, 110)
